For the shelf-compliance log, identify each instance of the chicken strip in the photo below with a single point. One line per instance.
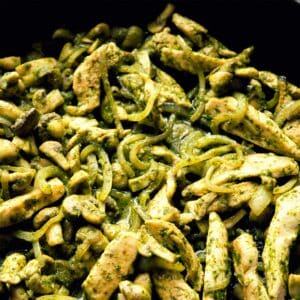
(87, 77)
(112, 266)
(168, 234)
(245, 259)
(291, 129)
(190, 28)
(217, 270)
(281, 233)
(23, 207)
(242, 193)
(254, 165)
(255, 127)
(171, 285)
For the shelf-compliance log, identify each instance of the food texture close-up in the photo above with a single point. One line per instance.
(148, 160)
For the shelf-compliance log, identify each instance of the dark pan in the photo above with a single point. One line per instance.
(272, 26)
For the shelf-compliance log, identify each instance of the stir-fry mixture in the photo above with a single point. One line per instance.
(147, 163)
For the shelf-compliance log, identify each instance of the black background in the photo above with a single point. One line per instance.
(272, 26)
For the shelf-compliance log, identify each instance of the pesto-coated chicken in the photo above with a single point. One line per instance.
(112, 267)
(171, 285)
(256, 127)
(254, 165)
(245, 260)
(217, 271)
(281, 233)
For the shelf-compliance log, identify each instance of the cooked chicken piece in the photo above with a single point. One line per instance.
(168, 234)
(269, 135)
(245, 259)
(160, 208)
(112, 266)
(254, 165)
(161, 40)
(23, 207)
(256, 127)
(133, 291)
(217, 270)
(190, 28)
(89, 128)
(136, 78)
(170, 90)
(242, 193)
(11, 267)
(281, 233)
(148, 245)
(32, 71)
(198, 208)
(292, 130)
(171, 285)
(8, 151)
(220, 80)
(144, 280)
(87, 77)
(160, 21)
(271, 80)
(54, 235)
(139, 289)
(190, 61)
(33, 266)
(120, 177)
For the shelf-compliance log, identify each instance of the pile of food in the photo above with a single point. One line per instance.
(147, 163)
